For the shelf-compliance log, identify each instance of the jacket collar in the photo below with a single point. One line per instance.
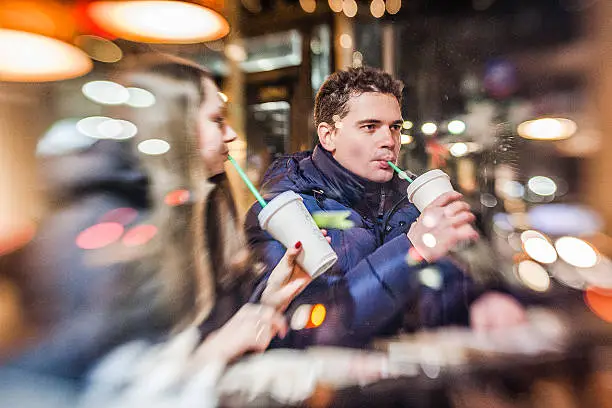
(348, 188)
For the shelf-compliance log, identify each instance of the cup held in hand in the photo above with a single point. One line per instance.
(427, 187)
(288, 221)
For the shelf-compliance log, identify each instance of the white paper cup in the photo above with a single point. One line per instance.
(427, 187)
(288, 221)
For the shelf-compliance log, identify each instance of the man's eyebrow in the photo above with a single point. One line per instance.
(378, 121)
(364, 121)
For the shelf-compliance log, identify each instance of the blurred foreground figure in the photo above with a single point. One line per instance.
(141, 244)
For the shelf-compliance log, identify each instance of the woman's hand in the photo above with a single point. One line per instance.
(250, 330)
(287, 279)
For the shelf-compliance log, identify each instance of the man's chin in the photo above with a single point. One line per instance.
(380, 176)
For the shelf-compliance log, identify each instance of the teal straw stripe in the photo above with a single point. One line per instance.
(246, 180)
(399, 171)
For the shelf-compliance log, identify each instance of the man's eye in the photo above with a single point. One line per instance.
(396, 128)
(369, 126)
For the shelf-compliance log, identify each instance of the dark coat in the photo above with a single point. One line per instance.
(371, 286)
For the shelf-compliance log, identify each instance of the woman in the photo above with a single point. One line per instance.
(193, 273)
(190, 115)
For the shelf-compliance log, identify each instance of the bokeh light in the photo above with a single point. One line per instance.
(317, 315)
(540, 249)
(154, 147)
(600, 302)
(547, 129)
(106, 92)
(533, 275)
(542, 186)
(429, 240)
(393, 6)
(89, 126)
(429, 128)
(335, 5)
(456, 127)
(140, 98)
(98, 48)
(99, 235)
(576, 252)
(139, 235)
(406, 139)
(458, 149)
(350, 8)
(223, 97)
(177, 197)
(431, 277)
(308, 6)
(407, 125)
(235, 52)
(117, 129)
(377, 8)
(525, 235)
(346, 41)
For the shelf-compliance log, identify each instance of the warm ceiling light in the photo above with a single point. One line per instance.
(547, 129)
(28, 57)
(172, 22)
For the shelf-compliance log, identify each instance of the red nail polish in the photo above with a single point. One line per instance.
(298, 245)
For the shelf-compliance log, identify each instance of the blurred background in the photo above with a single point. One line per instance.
(513, 98)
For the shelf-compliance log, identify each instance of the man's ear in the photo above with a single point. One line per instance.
(327, 136)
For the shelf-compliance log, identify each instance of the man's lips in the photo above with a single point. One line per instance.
(383, 162)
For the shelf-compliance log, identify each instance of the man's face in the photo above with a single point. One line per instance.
(368, 136)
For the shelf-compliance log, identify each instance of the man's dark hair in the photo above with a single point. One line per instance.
(334, 94)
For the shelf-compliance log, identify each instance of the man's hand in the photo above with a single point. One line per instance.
(495, 310)
(441, 226)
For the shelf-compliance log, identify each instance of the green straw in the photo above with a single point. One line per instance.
(401, 173)
(246, 180)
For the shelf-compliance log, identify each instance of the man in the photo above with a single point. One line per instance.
(358, 120)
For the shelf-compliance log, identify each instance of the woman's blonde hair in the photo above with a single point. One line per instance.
(185, 277)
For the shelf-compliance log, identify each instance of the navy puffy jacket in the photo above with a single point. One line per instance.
(371, 286)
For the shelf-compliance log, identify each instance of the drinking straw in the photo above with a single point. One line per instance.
(401, 173)
(246, 180)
